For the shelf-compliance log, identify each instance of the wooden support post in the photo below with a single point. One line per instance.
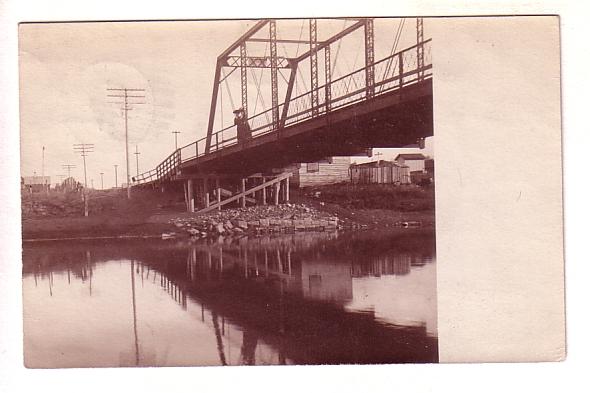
(276, 193)
(263, 191)
(285, 187)
(218, 191)
(243, 192)
(287, 190)
(206, 191)
(191, 200)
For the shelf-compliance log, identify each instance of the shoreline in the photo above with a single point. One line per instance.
(155, 216)
(153, 226)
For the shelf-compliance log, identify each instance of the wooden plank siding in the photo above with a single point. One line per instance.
(334, 170)
(382, 174)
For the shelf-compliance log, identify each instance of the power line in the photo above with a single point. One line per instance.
(84, 149)
(126, 107)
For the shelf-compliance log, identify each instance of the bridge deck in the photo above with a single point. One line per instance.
(397, 114)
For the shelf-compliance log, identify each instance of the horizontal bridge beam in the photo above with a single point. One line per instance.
(256, 62)
(281, 41)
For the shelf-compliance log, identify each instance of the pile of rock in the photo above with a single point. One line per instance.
(286, 218)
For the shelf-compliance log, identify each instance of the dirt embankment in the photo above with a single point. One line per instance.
(151, 213)
(374, 206)
(59, 215)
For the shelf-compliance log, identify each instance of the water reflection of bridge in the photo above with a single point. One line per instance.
(274, 292)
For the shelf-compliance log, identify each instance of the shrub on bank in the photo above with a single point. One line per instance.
(376, 196)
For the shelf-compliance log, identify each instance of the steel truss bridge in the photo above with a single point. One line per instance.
(383, 104)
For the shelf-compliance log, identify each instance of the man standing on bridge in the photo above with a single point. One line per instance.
(244, 133)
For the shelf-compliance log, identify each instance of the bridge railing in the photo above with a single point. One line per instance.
(393, 72)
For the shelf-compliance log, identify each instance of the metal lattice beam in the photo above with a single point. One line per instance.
(313, 57)
(244, 79)
(369, 58)
(420, 47)
(274, 83)
(328, 74)
(256, 62)
(280, 41)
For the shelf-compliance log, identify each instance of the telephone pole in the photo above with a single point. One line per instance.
(126, 107)
(116, 184)
(176, 139)
(43, 170)
(101, 181)
(137, 153)
(68, 167)
(84, 149)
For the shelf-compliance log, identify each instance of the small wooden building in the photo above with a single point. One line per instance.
(379, 172)
(329, 171)
(414, 161)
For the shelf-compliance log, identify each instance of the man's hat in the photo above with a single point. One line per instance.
(239, 110)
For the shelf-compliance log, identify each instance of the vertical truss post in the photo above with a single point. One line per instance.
(328, 66)
(420, 47)
(288, 95)
(313, 60)
(213, 106)
(369, 59)
(274, 73)
(244, 78)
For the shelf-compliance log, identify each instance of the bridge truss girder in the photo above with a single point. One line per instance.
(228, 59)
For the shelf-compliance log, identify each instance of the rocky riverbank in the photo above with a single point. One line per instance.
(286, 218)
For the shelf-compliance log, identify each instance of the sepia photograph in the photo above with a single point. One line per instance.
(229, 192)
(262, 191)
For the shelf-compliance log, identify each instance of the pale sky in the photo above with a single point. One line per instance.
(67, 67)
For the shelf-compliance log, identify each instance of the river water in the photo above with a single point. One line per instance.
(304, 298)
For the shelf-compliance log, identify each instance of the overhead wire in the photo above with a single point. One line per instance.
(353, 67)
(231, 100)
(396, 40)
(259, 92)
(337, 51)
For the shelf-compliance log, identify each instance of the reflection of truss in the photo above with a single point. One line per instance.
(257, 62)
